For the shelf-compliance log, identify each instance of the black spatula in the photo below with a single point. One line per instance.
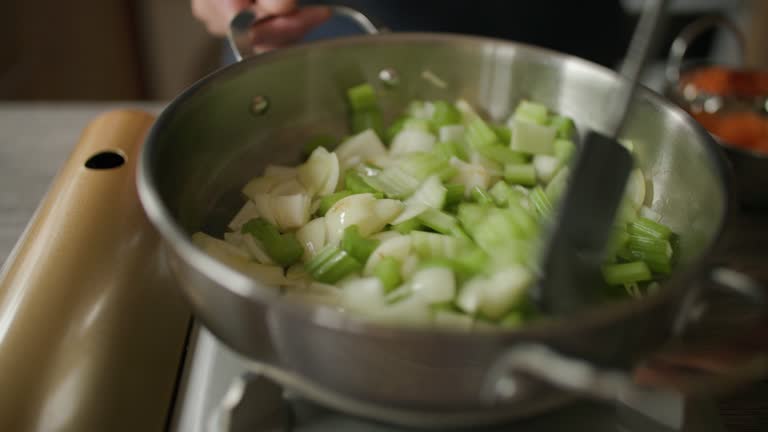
(574, 252)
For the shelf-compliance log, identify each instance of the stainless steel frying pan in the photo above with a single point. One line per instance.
(223, 130)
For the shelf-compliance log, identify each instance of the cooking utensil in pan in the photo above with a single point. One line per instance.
(570, 271)
(218, 134)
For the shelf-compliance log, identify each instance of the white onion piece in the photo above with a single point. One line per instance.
(312, 237)
(636, 188)
(363, 295)
(385, 235)
(261, 185)
(369, 214)
(280, 171)
(235, 239)
(239, 260)
(504, 290)
(471, 295)
(263, 203)
(256, 249)
(320, 173)
(434, 284)
(362, 147)
(546, 167)
(649, 213)
(470, 175)
(290, 211)
(289, 186)
(453, 320)
(409, 265)
(411, 141)
(246, 213)
(453, 133)
(431, 194)
(411, 311)
(396, 247)
(296, 277)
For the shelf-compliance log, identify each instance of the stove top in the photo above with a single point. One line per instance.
(217, 394)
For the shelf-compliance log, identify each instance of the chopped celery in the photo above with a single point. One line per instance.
(531, 112)
(388, 272)
(407, 226)
(355, 184)
(454, 194)
(283, 249)
(431, 245)
(364, 120)
(479, 134)
(445, 114)
(564, 150)
(620, 274)
(362, 98)
(500, 192)
(650, 245)
(326, 141)
(501, 154)
(331, 265)
(393, 182)
(645, 227)
(563, 125)
(421, 165)
(557, 185)
(504, 133)
(540, 201)
(522, 174)
(441, 222)
(657, 262)
(480, 196)
(533, 138)
(359, 247)
(454, 133)
(391, 132)
(471, 215)
(449, 149)
(328, 201)
(417, 124)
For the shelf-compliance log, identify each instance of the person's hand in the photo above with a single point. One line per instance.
(287, 24)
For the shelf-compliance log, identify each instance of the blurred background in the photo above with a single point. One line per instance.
(151, 50)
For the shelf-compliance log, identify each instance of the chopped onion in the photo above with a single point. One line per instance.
(362, 210)
(360, 148)
(470, 175)
(396, 247)
(411, 141)
(320, 173)
(434, 284)
(290, 211)
(246, 213)
(312, 237)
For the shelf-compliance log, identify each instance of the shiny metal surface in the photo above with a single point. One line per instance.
(206, 145)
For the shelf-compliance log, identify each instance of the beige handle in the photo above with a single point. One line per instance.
(92, 329)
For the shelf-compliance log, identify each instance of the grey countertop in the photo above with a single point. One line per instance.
(35, 140)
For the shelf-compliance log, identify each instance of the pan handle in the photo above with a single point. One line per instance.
(240, 41)
(701, 371)
(689, 34)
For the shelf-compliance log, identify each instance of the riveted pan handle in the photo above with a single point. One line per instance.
(736, 305)
(239, 28)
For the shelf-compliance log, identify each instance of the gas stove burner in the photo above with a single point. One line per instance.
(221, 392)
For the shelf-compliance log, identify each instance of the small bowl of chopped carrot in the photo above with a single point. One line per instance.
(731, 102)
